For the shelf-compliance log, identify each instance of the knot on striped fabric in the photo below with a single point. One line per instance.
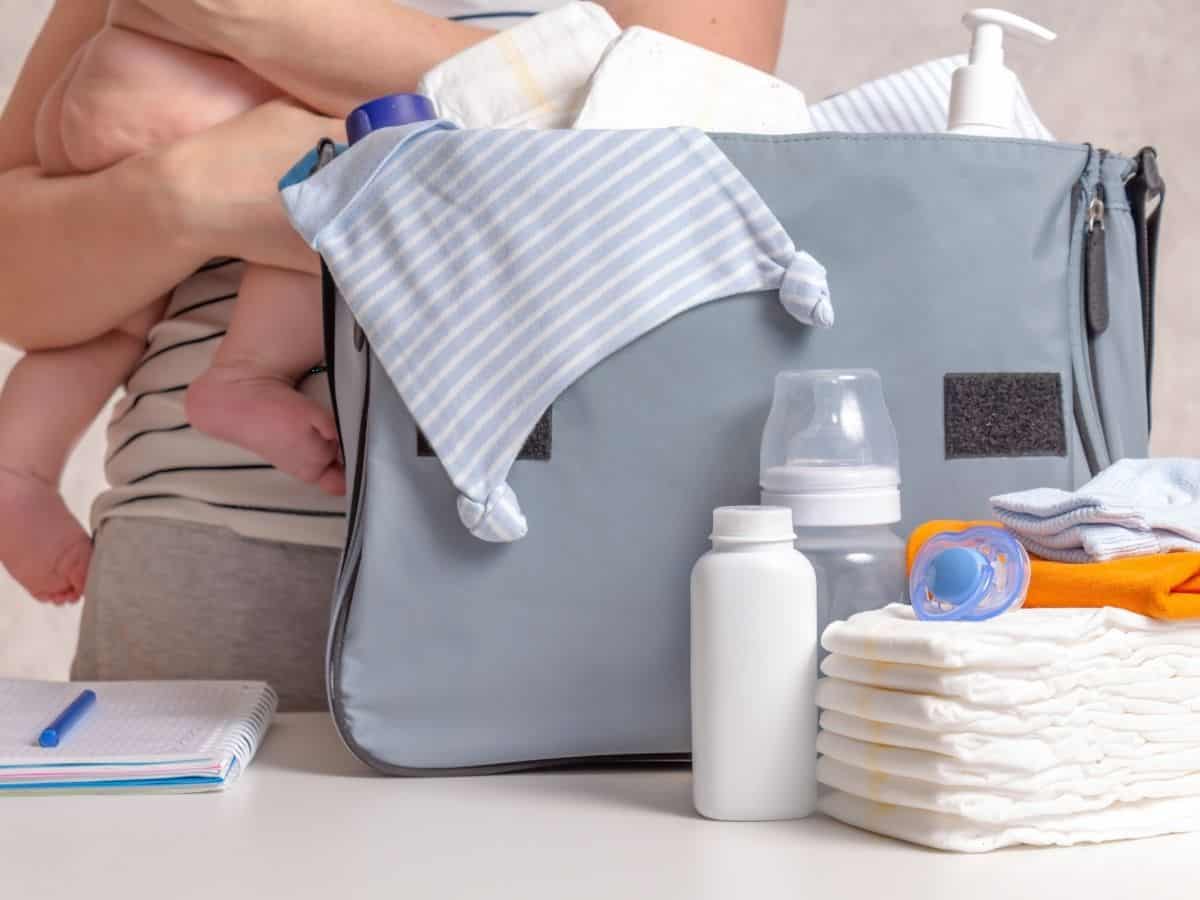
(497, 519)
(804, 291)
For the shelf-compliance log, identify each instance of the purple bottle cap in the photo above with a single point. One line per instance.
(384, 112)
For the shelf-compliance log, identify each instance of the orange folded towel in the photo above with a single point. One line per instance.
(1163, 587)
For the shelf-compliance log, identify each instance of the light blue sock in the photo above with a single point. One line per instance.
(1135, 507)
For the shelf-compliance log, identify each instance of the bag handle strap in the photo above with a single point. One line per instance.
(1147, 191)
(325, 152)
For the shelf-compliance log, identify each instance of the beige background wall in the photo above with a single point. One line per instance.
(1124, 73)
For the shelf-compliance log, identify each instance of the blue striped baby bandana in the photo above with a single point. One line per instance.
(491, 269)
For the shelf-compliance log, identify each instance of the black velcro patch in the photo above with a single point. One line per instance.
(1004, 414)
(536, 446)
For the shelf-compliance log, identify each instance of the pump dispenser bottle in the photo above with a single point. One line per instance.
(984, 92)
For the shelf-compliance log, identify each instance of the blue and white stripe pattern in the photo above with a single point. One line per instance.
(916, 100)
(491, 269)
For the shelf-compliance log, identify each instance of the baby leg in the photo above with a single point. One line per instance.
(137, 16)
(249, 398)
(128, 92)
(47, 129)
(50, 397)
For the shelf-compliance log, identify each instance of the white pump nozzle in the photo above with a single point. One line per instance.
(989, 26)
(984, 91)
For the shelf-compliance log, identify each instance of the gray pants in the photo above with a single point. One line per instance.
(168, 599)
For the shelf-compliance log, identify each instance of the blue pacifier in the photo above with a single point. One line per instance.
(969, 575)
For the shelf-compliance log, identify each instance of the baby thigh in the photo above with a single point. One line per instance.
(130, 92)
(137, 16)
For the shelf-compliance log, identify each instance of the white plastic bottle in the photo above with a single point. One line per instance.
(754, 670)
(983, 93)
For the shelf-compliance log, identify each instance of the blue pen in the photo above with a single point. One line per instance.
(67, 719)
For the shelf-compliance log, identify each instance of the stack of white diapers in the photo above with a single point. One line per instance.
(1041, 726)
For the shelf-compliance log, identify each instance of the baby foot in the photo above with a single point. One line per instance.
(269, 417)
(42, 545)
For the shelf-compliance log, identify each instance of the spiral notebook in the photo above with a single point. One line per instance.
(139, 736)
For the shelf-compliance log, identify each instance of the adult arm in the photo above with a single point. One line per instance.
(79, 254)
(747, 31)
(333, 56)
(59, 237)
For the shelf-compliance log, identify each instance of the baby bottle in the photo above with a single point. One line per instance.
(829, 454)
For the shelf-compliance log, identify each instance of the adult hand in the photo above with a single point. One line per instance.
(227, 183)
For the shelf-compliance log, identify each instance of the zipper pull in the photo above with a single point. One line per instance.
(1096, 267)
(1096, 210)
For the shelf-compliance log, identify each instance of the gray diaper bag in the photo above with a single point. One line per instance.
(1003, 289)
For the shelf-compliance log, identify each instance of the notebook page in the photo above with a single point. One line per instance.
(134, 723)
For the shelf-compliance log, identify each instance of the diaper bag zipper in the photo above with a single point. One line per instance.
(1095, 263)
(1094, 314)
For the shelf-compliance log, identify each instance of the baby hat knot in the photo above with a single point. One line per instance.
(804, 291)
(497, 519)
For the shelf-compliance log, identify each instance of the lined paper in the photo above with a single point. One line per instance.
(140, 733)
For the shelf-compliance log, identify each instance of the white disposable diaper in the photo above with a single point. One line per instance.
(1168, 707)
(1020, 639)
(943, 831)
(652, 80)
(1085, 779)
(1010, 687)
(993, 807)
(1050, 747)
(534, 75)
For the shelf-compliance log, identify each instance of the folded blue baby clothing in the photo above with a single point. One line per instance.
(1136, 507)
(491, 269)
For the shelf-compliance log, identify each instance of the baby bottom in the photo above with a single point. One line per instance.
(128, 91)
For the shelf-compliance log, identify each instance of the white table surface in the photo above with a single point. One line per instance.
(307, 820)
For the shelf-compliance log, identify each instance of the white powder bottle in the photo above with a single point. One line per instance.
(754, 670)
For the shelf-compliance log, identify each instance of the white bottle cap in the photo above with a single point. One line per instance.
(752, 524)
(983, 93)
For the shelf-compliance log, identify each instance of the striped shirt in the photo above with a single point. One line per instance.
(158, 465)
